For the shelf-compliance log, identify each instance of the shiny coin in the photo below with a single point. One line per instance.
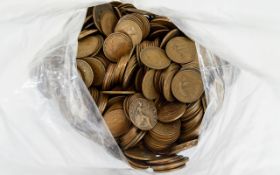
(89, 46)
(170, 112)
(117, 45)
(117, 122)
(143, 113)
(86, 72)
(187, 86)
(181, 50)
(148, 88)
(139, 154)
(155, 58)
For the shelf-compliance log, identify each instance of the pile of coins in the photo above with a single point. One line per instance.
(144, 76)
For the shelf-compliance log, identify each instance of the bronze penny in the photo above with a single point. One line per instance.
(148, 88)
(170, 170)
(183, 146)
(108, 22)
(143, 113)
(102, 102)
(170, 166)
(129, 71)
(155, 58)
(164, 160)
(181, 50)
(117, 122)
(131, 28)
(187, 86)
(98, 69)
(116, 99)
(86, 72)
(135, 140)
(137, 164)
(117, 45)
(168, 36)
(118, 92)
(139, 154)
(94, 93)
(129, 136)
(107, 81)
(89, 45)
(166, 82)
(170, 112)
(85, 33)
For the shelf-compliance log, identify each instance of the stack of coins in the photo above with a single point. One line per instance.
(144, 76)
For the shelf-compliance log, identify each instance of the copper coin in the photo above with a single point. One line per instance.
(131, 28)
(137, 164)
(135, 140)
(129, 71)
(148, 88)
(94, 93)
(155, 58)
(129, 136)
(107, 81)
(139, 154)
(143, 113)
(98, 69)
(165, 160)
(172, 165)
(156, 146)
(117, 45)
(170, 170)
(183, 146)
(166, 83)
(86, 72)
(171, 112)
(118, 92)
(169, 36)
(116, 99)
(117, 122)
(181, 50)
(98, 14)
(85, 33)
(102, 102)
(89, 45)
(187, 86)
(108, 21)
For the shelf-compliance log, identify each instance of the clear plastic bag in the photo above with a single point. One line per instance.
(44, 103)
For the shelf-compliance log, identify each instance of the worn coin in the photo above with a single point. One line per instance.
(148, 88)
(170, 112)
(139, 154)
(117, 45)
(86, 72)
(89, 45)
(143, 113)
(181, 50)
(98, 69)
(117, 122)
(183, 146)
(187, 86)
(155, 58)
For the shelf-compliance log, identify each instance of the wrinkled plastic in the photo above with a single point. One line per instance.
(50, 125)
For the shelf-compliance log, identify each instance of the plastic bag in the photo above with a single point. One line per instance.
(43, 102)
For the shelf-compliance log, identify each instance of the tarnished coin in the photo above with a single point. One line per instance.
(170, 170)
(137, 164)
(172, 165)
(108, 21)
(135, 140)
(86, 72)
(129, 136)
(155, 58)
(108, 81)
(169, 36)
(183, 146)
(187, 86)
(148, 88)
(117, 122)
(98, 69)
(117, 45)
(85, 33)
(168, 75)
(139, 154)
(170, 112)
(102, 102)
(181, 50)
(164, 160)
(143, 113)
(89, 45)
(118, 92)
(131, 28)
